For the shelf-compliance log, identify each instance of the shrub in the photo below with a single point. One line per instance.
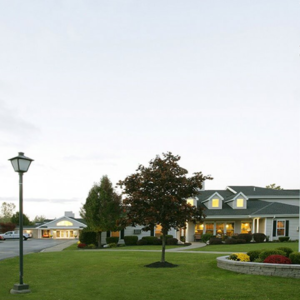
(91, 246)
(112, 239)
(239, 257)
(245, 236)
(112, 245)
(206, 237)
(157, 242)
(286, 250)
(88, 237)
(130, 240)
(168, 236)
(259, 237)
(172, 241)
(142, 242)
(295, 258)
(254, 254)
(284, 238)
(215, 241)
(240, 241)
(231, 241)
(149, 239)
(277, 259)
(264, 254)
(81, 245)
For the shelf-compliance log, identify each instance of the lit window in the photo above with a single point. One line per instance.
(240, 202)
(280, 227)
(190, 201)
(64, 223)
(215, 203)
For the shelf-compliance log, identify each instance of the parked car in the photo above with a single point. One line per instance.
(13, 235)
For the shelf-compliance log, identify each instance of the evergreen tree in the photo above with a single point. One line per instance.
(102, 208)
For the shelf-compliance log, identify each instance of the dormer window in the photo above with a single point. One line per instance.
(215, 203)
(240, 202)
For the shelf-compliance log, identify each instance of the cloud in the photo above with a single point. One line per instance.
(12, 125)
(35, 200)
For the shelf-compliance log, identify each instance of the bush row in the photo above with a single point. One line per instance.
(280, 255)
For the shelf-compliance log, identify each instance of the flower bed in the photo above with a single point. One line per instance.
(281, 270)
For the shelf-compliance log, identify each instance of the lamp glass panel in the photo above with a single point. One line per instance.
(24, 165)
(15, 164)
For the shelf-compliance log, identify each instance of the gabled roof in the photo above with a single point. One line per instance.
(254, 208)
(259, 192)
(52, 223)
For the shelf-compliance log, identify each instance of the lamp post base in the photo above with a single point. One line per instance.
(20, 288)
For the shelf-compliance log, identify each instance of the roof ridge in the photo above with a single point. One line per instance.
(271, 203)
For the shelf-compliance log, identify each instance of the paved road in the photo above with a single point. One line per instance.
(10, 248)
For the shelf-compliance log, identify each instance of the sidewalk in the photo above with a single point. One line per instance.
(60, 247)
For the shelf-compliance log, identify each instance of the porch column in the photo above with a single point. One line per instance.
(190, 231)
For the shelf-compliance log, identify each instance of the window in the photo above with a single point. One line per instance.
(246, 227)
(220, 229)
(215, 202)
(209, 228)
(64, 223)
(229, 229)
(240, 202)
(280, 228)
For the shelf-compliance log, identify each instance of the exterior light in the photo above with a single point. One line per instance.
(21, 165)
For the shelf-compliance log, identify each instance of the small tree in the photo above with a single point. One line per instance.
(273, 186)
(102, 208)
(6, 211)
(156, 195)
(15, 219)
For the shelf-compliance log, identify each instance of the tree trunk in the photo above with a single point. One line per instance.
(163, 250)
(99, 238)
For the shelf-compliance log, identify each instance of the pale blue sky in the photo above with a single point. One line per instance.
(89, 88)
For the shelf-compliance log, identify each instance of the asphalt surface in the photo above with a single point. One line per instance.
(10, 248)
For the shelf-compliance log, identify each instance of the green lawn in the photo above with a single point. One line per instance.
(141, 247)
(109, 275)
(247, 247)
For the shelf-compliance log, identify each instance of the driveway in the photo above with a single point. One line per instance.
(10, 248)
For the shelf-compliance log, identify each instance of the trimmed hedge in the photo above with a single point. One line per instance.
(286, 250)
(259, 237)
(254, 254)
(172, 241)
(206, 237)
(112, 239)
(284, 238)
(215, 241)
(231, 241)
(150, 239)
(88, 237)
(295, 258)
(245, 236)
(130, 240)
(142, 242)
(264, 254)
(277, 259)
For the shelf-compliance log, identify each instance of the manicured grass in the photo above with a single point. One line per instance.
(142, 247)
(247, 247)
(77, 275)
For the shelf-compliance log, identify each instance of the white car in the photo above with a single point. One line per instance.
(13, 235)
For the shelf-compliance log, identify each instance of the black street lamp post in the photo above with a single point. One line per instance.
(21, 165)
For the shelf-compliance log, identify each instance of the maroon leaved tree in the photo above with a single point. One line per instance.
(157, 194)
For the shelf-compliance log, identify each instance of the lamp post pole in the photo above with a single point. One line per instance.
(21, 226)
(21, 165)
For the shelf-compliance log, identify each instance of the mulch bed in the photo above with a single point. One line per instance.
(159, 264)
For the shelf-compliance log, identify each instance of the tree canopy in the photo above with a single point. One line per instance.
(102, 208)
(274, 186)
(15, 219)
(157, 194)
(7, 211)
